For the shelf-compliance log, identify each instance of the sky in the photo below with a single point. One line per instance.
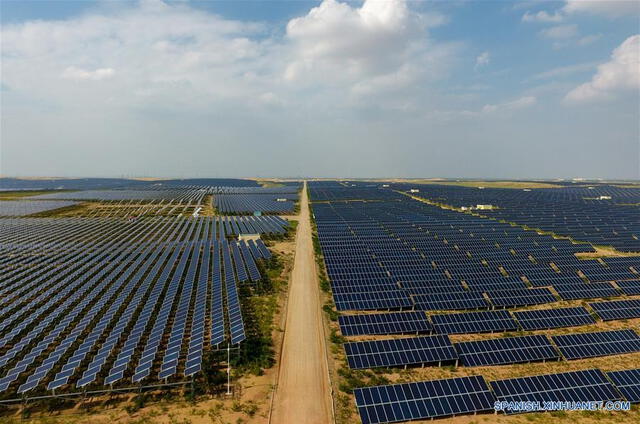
(270, 88)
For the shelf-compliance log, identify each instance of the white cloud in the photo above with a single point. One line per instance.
(619, 75)
(74, 73)
(482, 60)
(564, 71)
(336, 43)
(543, 16)
(188, 59)
(521, 103)
(609, 8)
(560, 32)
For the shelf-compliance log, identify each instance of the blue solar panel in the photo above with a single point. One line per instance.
(399, 352)
(628, 383)
(542, 319)
(617, 309)
(386, 323)
(473, 322)
(423, 400)
(588, 345)
(508, 350)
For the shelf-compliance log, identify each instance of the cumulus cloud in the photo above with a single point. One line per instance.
(186, 58)
(564, 71)
(482, 60)
(521, 103)
(337, 43)
(74, 73)
(619, 75)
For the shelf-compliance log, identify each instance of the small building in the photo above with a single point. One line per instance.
(246, 237)
(604, 198)
(414, 190)
(484, 207)
(281, 199)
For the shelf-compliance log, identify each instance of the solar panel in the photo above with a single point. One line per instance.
(586, 291)
(628, 383)
(396, 299)
(542, 319)
(451, 301)
(630, 288)
(399, 352)
(575, 386)
(508, 350)
(617, 309)
(520, 297)
(386, 323)
(601, 343)
(473, 322)
(423, 400)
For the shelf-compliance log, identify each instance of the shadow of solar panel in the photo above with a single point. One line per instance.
(521, 297)
(542, 319)
(586, 291)
(508, 350)
(601, 343)
(450, 301)
(628, 383)
(617, 309)
(576, 386)
(630, 288)
(400, 352)
(423, 400)
(473, 322)
(389, 323)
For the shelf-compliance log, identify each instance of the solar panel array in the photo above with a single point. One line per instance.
(400, 352)
(602, 343)
(628, 383)
(423, 400)
(572, 210)
(106, 302)
(507, 350)
(617, 309)
(386, 252)
(30, 207)
(575, 386)
(390, 323)
(542, 319)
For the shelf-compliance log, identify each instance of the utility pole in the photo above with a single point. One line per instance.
(228, 369)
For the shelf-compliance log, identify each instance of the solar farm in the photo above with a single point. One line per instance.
(433, 300)
(152, 296)
(445, 299)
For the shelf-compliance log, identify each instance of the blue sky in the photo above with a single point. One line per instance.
(530, 89)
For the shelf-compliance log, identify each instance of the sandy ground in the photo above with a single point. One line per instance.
(302, 393)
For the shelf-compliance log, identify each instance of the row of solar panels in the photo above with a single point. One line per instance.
(30, 207)
(439, 349)
(454, 297)
(362, 242)
(131, 309)
(563, 211)
(470, 395)
(20, 233)
(249, 203)
(414, 322)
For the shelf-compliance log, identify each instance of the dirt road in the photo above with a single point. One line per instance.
(303, 390)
